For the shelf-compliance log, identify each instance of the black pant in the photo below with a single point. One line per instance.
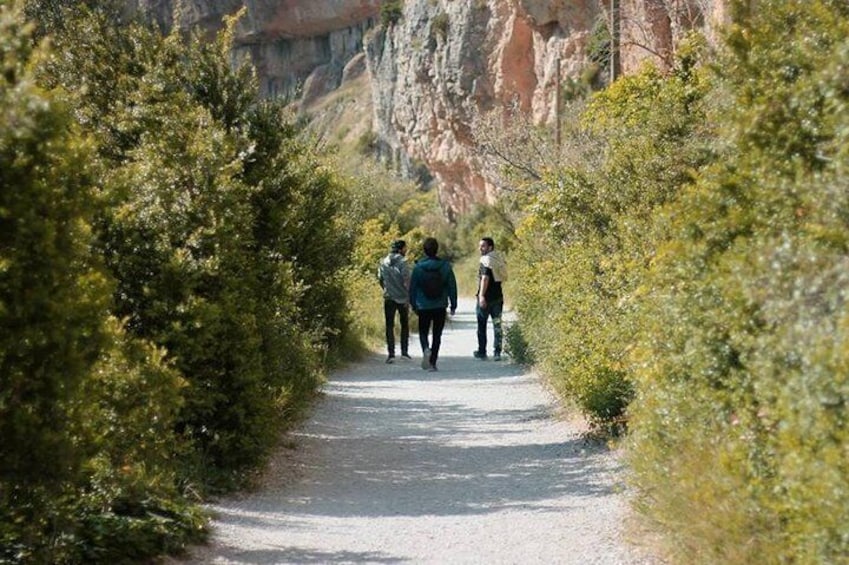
(426, 317)
(389, 309)
(493, 310)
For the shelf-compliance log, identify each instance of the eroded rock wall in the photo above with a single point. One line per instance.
(441, 63)
(448, 59)
(299, 47)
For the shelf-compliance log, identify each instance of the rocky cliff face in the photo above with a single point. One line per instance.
(650, 29)
(445, 61)
(300, 47)
(438, 65)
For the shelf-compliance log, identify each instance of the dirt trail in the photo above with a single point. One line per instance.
(472, 464)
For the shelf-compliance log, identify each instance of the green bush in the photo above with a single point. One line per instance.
(53, 300)
(598, 51)
(221, 228)
(391, 12)
(484, 220)
(49, 280)
(697, 288)
(217, 239)
(78, 451)
(567, 327)
(439, 25)
(517, 346)
(366, 143)
(634, 150)
(131, 506)
(739, 432)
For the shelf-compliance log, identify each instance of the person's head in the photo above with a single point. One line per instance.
(430, 246)
(399, 246)
(486, 245)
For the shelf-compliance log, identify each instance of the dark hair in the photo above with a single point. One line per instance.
(489, 242)
(430, 246)
(398, 245)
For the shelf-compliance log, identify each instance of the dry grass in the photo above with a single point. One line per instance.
(343, 117)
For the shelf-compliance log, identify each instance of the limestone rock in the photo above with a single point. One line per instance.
(445, 61)
(439, 65)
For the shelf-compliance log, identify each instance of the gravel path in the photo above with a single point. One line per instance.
(472, 464)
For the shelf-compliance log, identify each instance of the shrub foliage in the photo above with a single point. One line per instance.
(577, 302)
(87, 412)
(169, 253)
(697, 286)
(742, 351)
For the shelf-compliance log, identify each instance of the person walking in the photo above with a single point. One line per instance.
(492, 272)
(432, 287)
(393, 273)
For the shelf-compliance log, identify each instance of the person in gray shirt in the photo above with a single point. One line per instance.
(393, 273)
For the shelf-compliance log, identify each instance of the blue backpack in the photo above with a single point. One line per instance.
(432, 283)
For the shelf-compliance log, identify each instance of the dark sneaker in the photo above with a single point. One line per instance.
(496, 357)
(432, 369)
(390, 359)
(406, 357)
(479, 354)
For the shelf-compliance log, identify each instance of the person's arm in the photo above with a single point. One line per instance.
(412, 290)
(483, 289)
(452, 290)
(406, 274)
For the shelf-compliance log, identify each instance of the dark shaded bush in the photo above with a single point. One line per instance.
(77, 446)
(48, 278)
(168, 197)
(439, 26)
(516, 346)
(219, 230)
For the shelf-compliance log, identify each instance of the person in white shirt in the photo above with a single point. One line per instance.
(490, 297)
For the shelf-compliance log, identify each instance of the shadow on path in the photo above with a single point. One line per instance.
(477, 444)
(394, 440)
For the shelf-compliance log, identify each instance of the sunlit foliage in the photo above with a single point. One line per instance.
(143, 181)
(740, 431)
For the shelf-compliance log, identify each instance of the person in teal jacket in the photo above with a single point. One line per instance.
(432, 287)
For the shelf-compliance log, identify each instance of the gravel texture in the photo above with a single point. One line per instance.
(472, 464)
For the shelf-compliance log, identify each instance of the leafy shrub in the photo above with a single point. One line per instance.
(564, 322)
(76, 445)
(219, 232)
(130, 506)
(737, 428)
(391, 12)
(517, 346)
(220, 229)
(635, 149)
(484, 220)
(439, 25)
(599, 48)
(52, 300)
(366, 143)
(48, 277)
